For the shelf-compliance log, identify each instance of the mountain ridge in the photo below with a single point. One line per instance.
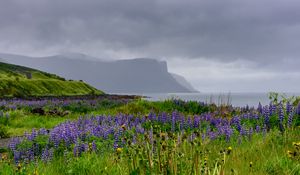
(139, 75)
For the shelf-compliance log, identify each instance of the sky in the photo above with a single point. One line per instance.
(217, 45)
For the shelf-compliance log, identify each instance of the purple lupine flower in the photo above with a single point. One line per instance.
(281, 117)
(13, 143)
(164, 118)
(83, 147)
(228, 132)
(196, 121)
(45, 155)
(257, 128)
(94, 146)
(134, 139)
(182, 123)
(288, 107)
(30, 154)
(189, 123)
(243, 131)
(280, 113)
(290, 119)
(17, 156)
(298, 109)
(236, 121)
(260, 108)
(117, 136)
(250, 133)
(212, 135)
(173, 121)
(33, 135)
(266, 117)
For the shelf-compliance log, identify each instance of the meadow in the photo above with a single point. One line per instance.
(133, 136)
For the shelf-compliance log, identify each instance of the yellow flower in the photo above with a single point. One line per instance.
(119, 150)
(19, 166)
(296, 144)
(290, 153)
(229, 149)
(4, 156)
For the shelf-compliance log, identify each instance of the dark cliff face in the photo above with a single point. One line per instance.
(141, 75)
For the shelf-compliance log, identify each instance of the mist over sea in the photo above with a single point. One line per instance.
(236, 99)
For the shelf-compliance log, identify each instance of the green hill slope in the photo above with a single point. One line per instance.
(22, 82)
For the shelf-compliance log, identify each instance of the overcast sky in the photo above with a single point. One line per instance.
(218, 45)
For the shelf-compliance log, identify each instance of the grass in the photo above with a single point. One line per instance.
(267, 154)
(259, 154)
(22, 121)
(22, 82)
(144, 107)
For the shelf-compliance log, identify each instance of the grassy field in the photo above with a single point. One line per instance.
(141, 137)
(23, 82)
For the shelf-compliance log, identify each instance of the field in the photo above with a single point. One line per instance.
(132, 136)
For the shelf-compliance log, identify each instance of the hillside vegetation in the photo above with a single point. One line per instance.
(19, 81)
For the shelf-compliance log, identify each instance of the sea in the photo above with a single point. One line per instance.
(235, 99)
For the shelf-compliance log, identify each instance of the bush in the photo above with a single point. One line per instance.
(3, 132)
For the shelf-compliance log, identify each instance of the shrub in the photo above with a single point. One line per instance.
(3, 132)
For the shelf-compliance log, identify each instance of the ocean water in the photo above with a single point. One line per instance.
(236, 99)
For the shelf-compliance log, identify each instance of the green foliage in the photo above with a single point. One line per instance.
(14, 82)
(44, 87)
(260, 155)
(4, 118)
(144, 107)
(3, 132)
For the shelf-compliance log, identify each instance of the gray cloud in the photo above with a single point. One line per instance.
(215, 29)
(264, 33)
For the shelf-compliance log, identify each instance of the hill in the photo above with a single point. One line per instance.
(141, 75)
(23, 81)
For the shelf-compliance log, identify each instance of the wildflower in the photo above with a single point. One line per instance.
(296, 144)
(123, 127)
(19, 166)
(290, 119)
(229, 149)
(290, 153)
(250, 164)
(4, 157)
(119, 150)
